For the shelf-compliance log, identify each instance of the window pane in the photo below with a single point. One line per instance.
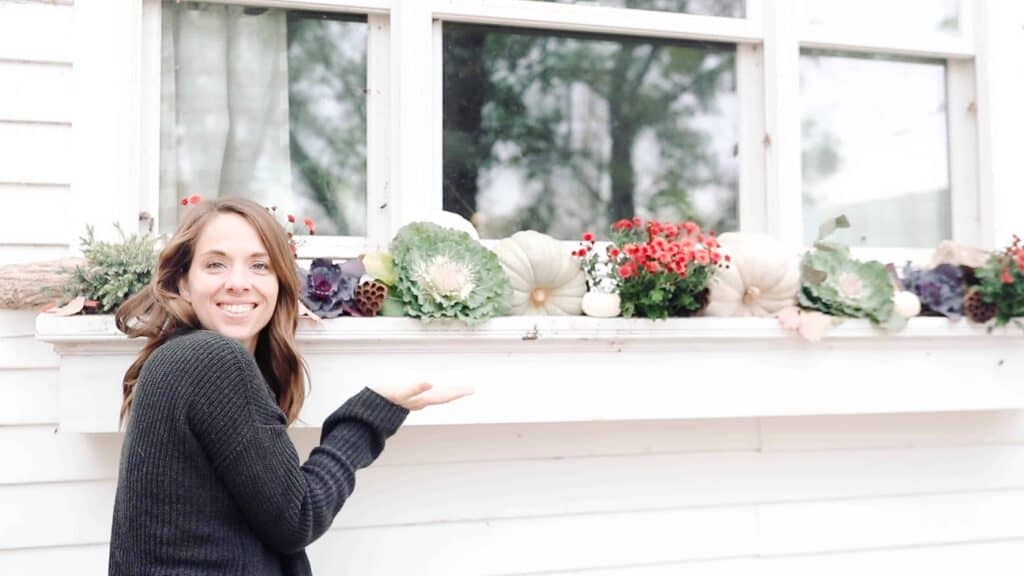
(902, 17)
(730, 8)
(266, 104)
(563, 133)
(875, 147)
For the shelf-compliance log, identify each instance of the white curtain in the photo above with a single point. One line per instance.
(224, 117)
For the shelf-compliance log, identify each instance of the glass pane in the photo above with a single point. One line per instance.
(902, 17)
(564, 133)
(730, 8)
(266, 104)
(878, 155)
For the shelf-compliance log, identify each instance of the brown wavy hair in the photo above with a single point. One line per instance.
(159, 312)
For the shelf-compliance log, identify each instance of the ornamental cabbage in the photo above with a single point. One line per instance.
(940, 289)
(831, 281)
(444, 273)
(328, 289)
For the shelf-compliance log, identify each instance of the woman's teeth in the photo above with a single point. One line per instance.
(237, 308)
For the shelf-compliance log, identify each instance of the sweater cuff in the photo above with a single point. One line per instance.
(388, 415)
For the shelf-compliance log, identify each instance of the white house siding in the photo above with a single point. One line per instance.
(925, 493)
(35, 129)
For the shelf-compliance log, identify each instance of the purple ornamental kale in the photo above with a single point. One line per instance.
(328, 289)
(940, 289)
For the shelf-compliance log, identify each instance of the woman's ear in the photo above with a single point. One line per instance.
(183, 289)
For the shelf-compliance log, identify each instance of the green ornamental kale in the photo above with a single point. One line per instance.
(444, 273)
(113, 271)
(832, 282)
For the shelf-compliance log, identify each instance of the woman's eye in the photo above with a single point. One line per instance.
(214, 265)
(261, 266)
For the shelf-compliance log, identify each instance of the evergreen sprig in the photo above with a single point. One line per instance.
(113, 271)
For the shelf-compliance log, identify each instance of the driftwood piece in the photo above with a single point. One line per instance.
(34, 285)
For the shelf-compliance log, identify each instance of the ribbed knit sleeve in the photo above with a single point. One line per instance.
(233, 416)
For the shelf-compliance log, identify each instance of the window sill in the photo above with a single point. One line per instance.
(546, 369)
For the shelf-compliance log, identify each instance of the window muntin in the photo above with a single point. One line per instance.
(875, 152)
(727, 8)
(562, 133)
(267, 104)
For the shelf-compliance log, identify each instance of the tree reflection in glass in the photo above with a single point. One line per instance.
(563, 133)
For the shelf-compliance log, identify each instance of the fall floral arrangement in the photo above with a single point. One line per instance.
(999, 292)
(661, 269)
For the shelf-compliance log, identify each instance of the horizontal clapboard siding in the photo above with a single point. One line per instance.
(800, 483)
(78, 560)
(35, 91)
(36, 41)
(35, 153)
(990, 558)
(523, 546)
(36, 32)
(38, 451)
(35, 215)
(26, 253)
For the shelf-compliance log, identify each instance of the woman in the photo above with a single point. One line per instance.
(209, 481)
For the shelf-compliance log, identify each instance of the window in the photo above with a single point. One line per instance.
(563, 133)
(562, 116)
(879, 156)
(266, 104)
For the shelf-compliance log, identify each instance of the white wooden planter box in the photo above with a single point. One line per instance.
(528, 369)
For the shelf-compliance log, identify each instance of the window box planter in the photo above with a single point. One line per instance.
(530, 369)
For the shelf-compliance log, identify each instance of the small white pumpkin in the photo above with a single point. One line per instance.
(906, 304)
(546, 279)
(761, 279)
(601, 304)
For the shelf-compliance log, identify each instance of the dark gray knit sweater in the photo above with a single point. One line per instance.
(209, 481)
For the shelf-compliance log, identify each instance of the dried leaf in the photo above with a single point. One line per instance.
(75, 306)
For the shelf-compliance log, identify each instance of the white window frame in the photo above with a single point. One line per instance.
(404, 159)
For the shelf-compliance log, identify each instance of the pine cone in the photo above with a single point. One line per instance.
(976, 309)
(370, 297)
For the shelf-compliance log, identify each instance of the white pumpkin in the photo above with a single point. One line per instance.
(546, 279)
(446, 219)
(906, 304)
(601, 304)
(762, 278)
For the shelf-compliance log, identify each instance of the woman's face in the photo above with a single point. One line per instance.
(231, 284)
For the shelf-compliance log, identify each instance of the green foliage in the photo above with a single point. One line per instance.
(1001, 282)
(113, 271)
(444, 273)
(661, 295)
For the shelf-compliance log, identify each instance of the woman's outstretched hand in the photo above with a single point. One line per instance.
(421, 394)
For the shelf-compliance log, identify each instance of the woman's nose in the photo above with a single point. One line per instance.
(238, 279)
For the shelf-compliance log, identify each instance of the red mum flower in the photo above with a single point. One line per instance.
(622, 225)
(291, 218)
(588, 237)
(1005, 276)
(195, 199)
(184, 201)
